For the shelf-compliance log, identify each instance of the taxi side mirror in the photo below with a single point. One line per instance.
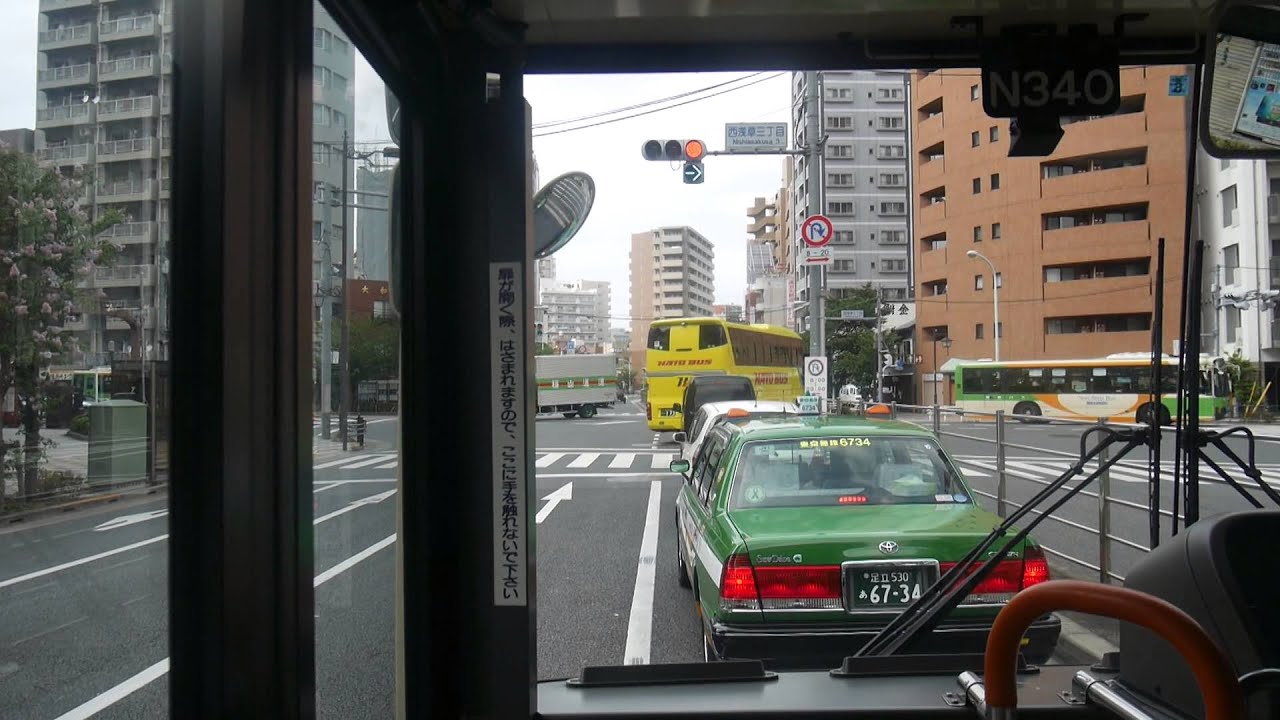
(680, 437)
(679, 466)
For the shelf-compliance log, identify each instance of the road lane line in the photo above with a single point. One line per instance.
(118, 693)
(330, 486)
(548, 459)
(661, 461)
(388, 466)
(50, 631)
(81, 561)
(972, 471)
(155, 672)
(640, 624)
(622, 461)
(584, 460)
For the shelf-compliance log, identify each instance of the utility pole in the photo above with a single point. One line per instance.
(326, 313)
(879, 343)
(813, 160)
(345, 357)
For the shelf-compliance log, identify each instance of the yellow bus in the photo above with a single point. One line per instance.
(682, 348)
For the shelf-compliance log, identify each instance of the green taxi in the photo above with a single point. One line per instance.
(802, 537)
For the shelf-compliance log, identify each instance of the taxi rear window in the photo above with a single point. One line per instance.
(852, 470)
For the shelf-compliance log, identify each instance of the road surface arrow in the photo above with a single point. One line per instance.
(124, 520)
(374, 499)
(564, 493)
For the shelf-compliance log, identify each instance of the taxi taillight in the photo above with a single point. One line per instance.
(1007, 577)
(781, 587)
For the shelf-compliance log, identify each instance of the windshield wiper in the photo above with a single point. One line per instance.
(942, 597)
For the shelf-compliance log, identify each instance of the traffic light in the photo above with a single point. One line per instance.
(690, 152)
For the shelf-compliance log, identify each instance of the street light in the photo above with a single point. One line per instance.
(995, 288)
(946, 344)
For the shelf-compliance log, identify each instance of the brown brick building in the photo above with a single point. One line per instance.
(1073, 236)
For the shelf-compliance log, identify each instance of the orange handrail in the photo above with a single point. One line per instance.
(1223, 697)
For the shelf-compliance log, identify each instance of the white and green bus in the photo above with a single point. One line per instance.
(1117, 387)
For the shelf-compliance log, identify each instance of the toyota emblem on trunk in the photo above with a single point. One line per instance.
(888, 547)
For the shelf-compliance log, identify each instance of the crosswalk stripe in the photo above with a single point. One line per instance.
(622, 460)
(388, 466)
(334, 463)
(661, 461)
(584, 460)
(974, 472)
(548, 459)
(367, 463)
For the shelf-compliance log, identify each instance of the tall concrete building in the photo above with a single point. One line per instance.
(576, 315)
(104, 89)
(864, 171)
(373, 228)
(767, 254)
(1072, 236)
(672, 275)
(1238, 206)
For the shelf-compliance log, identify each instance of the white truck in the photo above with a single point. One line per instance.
(569, 384)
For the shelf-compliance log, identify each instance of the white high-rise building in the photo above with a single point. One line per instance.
(576, 315)
(672, 275)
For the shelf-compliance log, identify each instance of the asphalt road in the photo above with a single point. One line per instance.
(84, 610)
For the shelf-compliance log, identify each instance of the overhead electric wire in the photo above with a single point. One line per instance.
(654, 110)
(647, 103)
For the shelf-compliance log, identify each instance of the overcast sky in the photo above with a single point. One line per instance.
(632, 195)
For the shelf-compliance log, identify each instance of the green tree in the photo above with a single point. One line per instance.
(1244, 381)
(375, 349)
(48, 247)
(851, 344)
(543, 348)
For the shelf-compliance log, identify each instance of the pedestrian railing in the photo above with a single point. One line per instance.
(938, 418)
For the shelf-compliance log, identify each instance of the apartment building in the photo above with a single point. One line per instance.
(104, 86)
(864, 172)
(373, 223)
(576, 315)
(767, 254)
(1238, 211)
(672, 272)
(1072, 237)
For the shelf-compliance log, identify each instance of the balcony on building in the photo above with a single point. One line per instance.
(138, 190)
(143, 148)
(76, 323)
(1082, 134)
(128, 28)
(65, 37)
(124, 276)
(1115, 231)
(927, 88)
(129, 233)
(1098, 173)
(932, 165)
(1100, 293)
(929, 122)
(1086, 343)
(127, 68)
(55, 5)
(78, 154)
(933, 206)
(64, 115)
(127, 108)
(65, 76)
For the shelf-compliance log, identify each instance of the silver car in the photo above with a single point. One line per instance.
(712, 414)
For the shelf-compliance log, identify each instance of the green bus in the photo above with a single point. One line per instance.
(1117, 387)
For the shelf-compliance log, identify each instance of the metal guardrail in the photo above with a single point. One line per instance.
(1106, 539)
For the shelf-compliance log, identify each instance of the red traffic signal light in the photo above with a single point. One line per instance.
(672, 150)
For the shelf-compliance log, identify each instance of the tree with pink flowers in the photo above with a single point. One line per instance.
(49, 246)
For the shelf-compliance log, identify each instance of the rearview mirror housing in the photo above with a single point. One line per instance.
(680, 437)
(679, 466)
(1240, 100)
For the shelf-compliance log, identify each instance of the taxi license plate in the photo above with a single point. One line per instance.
(669, 412)
(886, 586)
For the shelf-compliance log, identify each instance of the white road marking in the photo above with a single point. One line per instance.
(125, 520)
(367, 463)
(153, 673)
(329, 486)
(565, 492)
(640, 624)
(81, 561)
(972, 471)
(584, 460)
(661, 461)
(370, 500)
(622, 460)
(613, 422)
(548, 459)
(334, 463)
(388, 466)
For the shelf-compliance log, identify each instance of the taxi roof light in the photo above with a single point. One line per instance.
(738, 413)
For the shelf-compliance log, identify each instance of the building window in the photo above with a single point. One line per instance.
(893, 237)
(839, 122)
(1132, 322)
(893, 265)
(893, 180)
(1000, 329)
(1099, 216)
(888, 152)
(840, 179)
(973, 92)
(995, 181)
(840, 208)
(974, 139)
(839, 151)
(842, 237)
(891, 122)
(978, 332)
(994, 133)
(1230, 211)
(977, 233)
(893, 208)
(977, 185)
(1232, 323)
(979, 282)
(844, 265)
(999, 280)
(995, 231)
(1230, 264)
